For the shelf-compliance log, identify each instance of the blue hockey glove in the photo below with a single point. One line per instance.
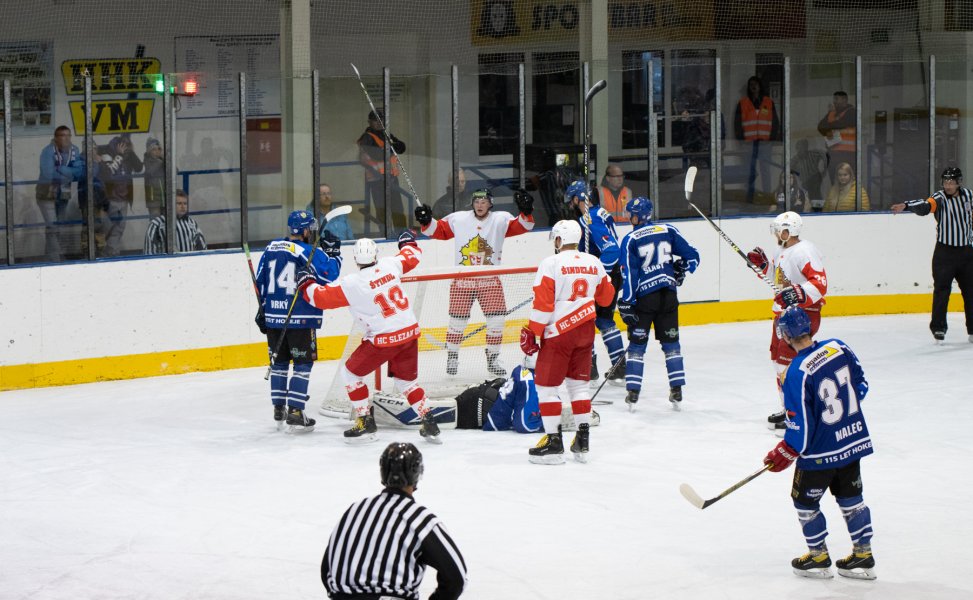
(261, 320)
(679, 270)
(627, 311)
(330, 244)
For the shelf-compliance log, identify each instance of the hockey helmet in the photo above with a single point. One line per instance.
(794, 322)
(568, 231)
(400, 465)
(482, 194)
(578, 190)
(299, 220)
(790, 220)
(365, 252)
(952, 173)
(640, 207)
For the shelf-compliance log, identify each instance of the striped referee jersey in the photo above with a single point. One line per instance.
(188, 236)
(381, 546)
(954, 216)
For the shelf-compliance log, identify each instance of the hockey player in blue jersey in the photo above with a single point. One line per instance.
(827, 436)
(277, 284)
(600, 239)
(655, 258)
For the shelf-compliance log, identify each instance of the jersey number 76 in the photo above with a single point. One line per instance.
(647, 252)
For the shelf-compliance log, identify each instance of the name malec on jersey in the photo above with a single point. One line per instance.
(847, 430)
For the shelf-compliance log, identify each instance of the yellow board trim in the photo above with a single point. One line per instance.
(87, 370)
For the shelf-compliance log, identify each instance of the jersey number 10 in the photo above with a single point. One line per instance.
(395, 299)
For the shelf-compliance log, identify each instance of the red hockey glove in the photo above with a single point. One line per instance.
(759, 258)
(791, 296)
(780, 457)
(528, 341)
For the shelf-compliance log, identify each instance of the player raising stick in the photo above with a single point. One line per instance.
(376, 299)
(566, 288)
(478, 236)
(798, 270)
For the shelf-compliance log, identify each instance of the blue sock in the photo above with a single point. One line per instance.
(634, 364)
(612, 338)
(278, 383)
(297, 395)
(677, 373)
(813, 524)
(858, 518)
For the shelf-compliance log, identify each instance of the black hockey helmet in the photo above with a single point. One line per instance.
(400, 465)
(952, 173)
(482, 194)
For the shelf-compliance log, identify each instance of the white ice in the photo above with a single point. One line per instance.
(180, 487)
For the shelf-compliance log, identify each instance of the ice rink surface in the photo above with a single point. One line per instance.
(180, 487)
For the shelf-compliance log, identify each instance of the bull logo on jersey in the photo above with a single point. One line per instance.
(477, 252)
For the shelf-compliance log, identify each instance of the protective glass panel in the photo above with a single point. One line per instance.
(952, 93)
(418, 122)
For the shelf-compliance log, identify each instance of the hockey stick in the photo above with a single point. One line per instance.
(388, 138)
(253, 276)
(588, 97)
(690, 178)
(435, 342)
(608, 374)
(335, 212)
(690, 494)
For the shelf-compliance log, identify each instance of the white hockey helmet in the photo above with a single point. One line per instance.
(790, 220)
(568, 231)
(366, 252)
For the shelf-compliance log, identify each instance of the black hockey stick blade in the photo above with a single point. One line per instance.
(696, 500)
(597, 87)
(690, 181)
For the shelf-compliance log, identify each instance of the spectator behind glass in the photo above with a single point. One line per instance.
(444, 205)
(841, 196)
(371, 156)
(188, 235)
(339, 225)
(614, 193)
(800, 202)
(60, 165)
(118, 163)
(838, 129)
(756, 122)
(155, 175)
(811, 164)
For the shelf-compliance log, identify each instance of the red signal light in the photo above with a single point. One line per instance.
(190, 87)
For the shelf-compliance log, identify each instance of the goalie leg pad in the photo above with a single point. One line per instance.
(674, 364)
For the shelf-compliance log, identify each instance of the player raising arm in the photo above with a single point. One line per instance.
(478, 236)
(377, 301)
(567, 287)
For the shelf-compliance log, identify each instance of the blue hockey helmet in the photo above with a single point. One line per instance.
(579, 190)
(400, 465)
(794, 322)
(640, 207)
(299, 220)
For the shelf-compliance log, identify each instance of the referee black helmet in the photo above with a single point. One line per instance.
(401, 465)
(952, 173)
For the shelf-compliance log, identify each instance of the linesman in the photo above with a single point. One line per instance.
(382, 544)
(952, 207)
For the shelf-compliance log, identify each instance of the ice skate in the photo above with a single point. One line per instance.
(363, 431)
(858, 565)
(549, 450)
(297, 421)
(774, 419)
(452, 362)
(617, 377)
(429, 430)
(815, 564)
(675, 397)
(632, 399)
(579, 445)
(939, 336)
(593, 375)
(280, 413)
(493, 364)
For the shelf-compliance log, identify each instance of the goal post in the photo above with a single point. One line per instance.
(498, 301)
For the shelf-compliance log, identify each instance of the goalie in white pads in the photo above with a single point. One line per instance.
(478, 236)
(566, 288)
(376, 300)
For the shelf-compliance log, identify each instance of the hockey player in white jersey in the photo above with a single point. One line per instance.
(377, 301)
(797, 268)
(567, 287)
(478, 236)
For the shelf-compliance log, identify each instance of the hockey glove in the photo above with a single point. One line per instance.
(759, 258)
(330, 244)
(305, 277)
(679, 270)
(423, 214)
(780, 457)
(791, 296)
(524, 201)
(919, 207)
(528, 341)
(627, 310)
(407, 238)
(261, 321)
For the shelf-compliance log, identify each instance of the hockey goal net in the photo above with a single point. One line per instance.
(437, 297)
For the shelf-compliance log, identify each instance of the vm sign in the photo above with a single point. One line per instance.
(114, 116)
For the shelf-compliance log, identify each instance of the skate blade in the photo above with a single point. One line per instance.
(779, 432)
(676, 406)
(280, 426)
(581, 457)
(814, 573)
(617, 382)
(592, 383)
(858, 573)
(550, 459)
(631, 407)
(299, 429)
(362, 439)
(433, 439)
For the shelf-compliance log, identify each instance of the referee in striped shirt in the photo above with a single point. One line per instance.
(381, 546)
(952, 207)
(188, 235)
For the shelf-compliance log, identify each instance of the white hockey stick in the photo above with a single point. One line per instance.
(588, 97)
(388, 139)
(440, 344)
(690, 494)
(690, 178)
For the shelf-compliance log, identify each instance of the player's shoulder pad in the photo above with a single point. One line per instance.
(601, 212)
(290, 246)
(821, 355)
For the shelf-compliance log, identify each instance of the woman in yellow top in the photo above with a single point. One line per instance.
(841, 196)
